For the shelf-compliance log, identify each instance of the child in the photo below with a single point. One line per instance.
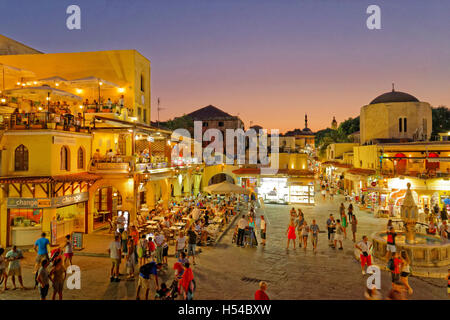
(163, 292)
(68, 251)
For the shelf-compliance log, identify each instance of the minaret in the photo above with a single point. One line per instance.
(334, 124)
(306, 120)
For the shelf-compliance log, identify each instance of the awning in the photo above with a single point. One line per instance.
(76, 177)
(289, 172)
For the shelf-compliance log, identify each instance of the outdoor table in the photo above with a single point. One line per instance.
(185, 218)
(158, 219)
(179, 224)
(152, 223)
(175, 228)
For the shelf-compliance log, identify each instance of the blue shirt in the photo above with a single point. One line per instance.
(42, 243)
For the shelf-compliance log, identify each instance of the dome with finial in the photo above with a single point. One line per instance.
(394, 96)
(334, 123)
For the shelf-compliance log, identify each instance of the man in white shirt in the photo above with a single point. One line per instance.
(242, 224)
(115, 253)
(121, 223)
(262, 226)
(364, 247)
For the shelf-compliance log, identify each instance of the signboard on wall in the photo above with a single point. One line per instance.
(77, 240)
(33, 203)
(64, 140)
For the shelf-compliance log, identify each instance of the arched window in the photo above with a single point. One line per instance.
(65, 158)
(21, 158)
(80, 158)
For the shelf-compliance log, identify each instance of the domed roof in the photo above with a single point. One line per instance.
(394, 96)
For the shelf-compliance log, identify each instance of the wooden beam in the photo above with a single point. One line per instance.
(18, 191)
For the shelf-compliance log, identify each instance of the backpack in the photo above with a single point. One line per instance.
(391, 265)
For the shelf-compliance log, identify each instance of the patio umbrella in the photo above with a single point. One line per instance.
(41, 92)
(55, 81)
(225, 188)
(93, 82)
(13, 71)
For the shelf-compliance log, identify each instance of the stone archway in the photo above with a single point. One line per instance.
(220, 177)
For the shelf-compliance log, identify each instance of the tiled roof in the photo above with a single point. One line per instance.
(75, 177)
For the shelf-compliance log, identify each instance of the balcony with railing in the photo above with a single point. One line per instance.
(126, 164)
(42, 120)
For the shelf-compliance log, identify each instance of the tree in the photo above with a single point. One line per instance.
(183, 122)
(441, 121)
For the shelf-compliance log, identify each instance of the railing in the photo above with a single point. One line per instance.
(124, 164)
(40, 120)
(417, 174)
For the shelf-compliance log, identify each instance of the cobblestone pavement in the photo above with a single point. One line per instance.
(228, 272)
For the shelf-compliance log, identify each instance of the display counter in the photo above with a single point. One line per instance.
(25, 236)
(64, 227)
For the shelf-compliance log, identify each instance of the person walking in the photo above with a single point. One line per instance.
(115, 253)
(344, 221)
(390, 247)
(68, 251)
(3, 274)
(142, 250)
(263, 228)
(365, 257)
(314, 229)
(350, 211)
(14, 269)
(305, 233)
(261, 294)
(242, 224)
(130, 259)
(40, 246)
(43, 279)
(354, 223)
(339, 235)
(394, 266)
(180, 244)
(57, 276)
(291, 233)
(405, 270)
(159, 241)
(331, 226)
(299, 225)
(192, 243)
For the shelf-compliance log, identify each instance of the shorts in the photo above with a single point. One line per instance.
(115, 262)
(263, 235)
(15, 272)
(41, 257)
(43, 291)
(68, 255)
(314, 239)
(58, 286)
(365, 260)
(391, 248)
(191, 249)
(338, 237)
(305, 237)
(404, 274)
(146, 284)
(395, 276)
(165, 251)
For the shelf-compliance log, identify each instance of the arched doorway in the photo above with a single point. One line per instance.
(400, 164)
(220, 177)
(107, 204)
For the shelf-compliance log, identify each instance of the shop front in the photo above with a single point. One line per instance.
(29, 217)
(107, 204)
(274, 190)
(301, 191)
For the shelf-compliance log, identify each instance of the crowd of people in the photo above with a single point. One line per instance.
(144, 245)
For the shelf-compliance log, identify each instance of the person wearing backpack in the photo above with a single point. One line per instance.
(394, 265)
(390, 247)
(142, 250)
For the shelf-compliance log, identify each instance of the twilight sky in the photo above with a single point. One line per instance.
(268, 61)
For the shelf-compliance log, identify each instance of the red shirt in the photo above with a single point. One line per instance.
(397, 265)
(261, 295)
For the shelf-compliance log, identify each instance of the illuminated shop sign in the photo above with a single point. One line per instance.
(47, 203)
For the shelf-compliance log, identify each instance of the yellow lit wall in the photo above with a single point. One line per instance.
(122, 67)
(44, 151)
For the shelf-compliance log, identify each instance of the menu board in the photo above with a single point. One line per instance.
(77, 240)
